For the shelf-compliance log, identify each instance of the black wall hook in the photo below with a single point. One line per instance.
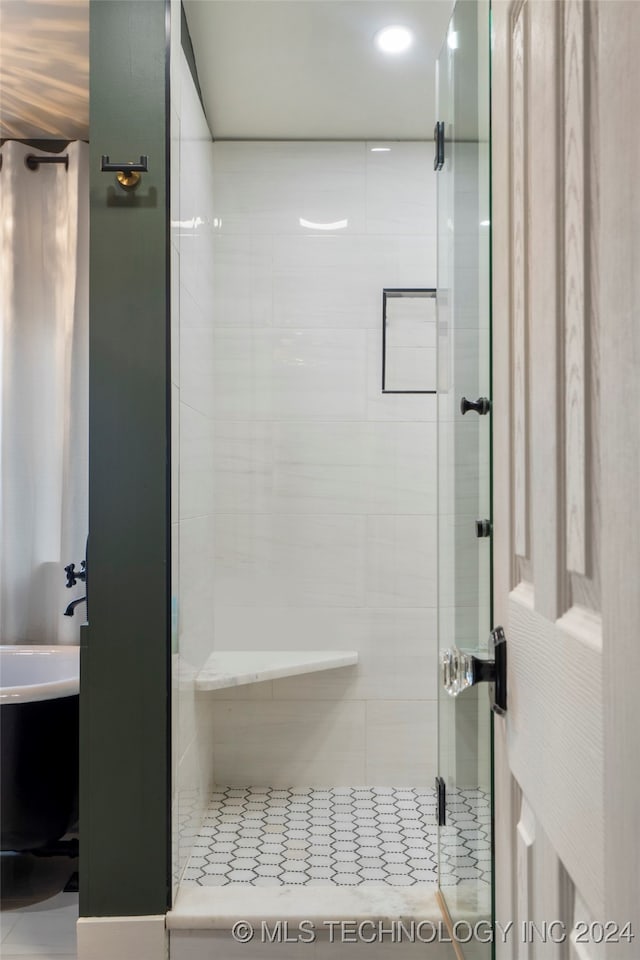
(142, 166)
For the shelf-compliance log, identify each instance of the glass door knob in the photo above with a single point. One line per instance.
(461, 670)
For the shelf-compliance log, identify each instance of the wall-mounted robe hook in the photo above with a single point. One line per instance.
(128, 174)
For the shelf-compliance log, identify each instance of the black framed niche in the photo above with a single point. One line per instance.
(409, 340)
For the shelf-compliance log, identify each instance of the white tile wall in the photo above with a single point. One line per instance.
(289, 561)
(401, 738)
(396, 407)
(400, 192)
(401, 561)
(196, 363)
(196, 451)
(396, 660)
(192, 346)
(324, 489)
(243, 280)
(279, 742)
(304, 504)
(287, 374)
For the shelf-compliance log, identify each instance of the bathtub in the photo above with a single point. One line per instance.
(38, 744)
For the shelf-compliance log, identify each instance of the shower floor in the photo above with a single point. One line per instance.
(345, 836)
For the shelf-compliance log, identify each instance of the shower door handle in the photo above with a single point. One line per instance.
(462, 670)
(480, 406)
(438, 139)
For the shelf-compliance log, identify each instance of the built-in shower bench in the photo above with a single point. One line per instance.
(231, 668)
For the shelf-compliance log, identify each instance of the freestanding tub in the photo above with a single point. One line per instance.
(38, 744)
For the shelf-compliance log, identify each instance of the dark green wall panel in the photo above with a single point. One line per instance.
(124, 695)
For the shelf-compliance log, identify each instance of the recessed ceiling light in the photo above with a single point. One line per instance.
(394, 39)
(380, 149)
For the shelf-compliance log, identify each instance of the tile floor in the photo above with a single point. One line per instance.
(346, 836)
(465, 842)
(37, 919)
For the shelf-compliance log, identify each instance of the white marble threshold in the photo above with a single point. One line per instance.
(232, 668)
(218, 908)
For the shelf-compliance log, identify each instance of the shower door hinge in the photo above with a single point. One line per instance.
(438, 139)
(483, 528)
(441, 801)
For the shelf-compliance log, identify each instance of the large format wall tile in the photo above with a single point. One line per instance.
(196, 363)
(402, 738)
(285, 743)
(397, 649)
(276, 374)
(268, 188)
(243, 465)
(285, 561)
(401, 561)
(354, 467)
(351, 467)
(196, 589)
(243, 280)
(289, 628)
(196, 237)
(393, 406)
(400, 193)
(196, 463)
(330, 280)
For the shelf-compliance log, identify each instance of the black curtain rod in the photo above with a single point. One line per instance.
(53, 145)
(33, 161)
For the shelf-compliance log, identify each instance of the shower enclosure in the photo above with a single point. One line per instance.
(317, 572)
(305, 530)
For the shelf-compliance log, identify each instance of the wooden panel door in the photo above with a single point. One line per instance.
(566, 452)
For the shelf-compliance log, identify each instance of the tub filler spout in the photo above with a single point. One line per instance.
(74, 603)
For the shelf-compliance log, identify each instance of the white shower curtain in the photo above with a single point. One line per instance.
(44, 297)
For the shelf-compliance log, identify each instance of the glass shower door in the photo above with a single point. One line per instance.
(464, 471)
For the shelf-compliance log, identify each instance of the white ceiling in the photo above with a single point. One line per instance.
(309, 69)
(269, 69)
(44, 69)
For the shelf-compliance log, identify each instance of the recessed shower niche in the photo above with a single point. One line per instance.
(409, 363)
